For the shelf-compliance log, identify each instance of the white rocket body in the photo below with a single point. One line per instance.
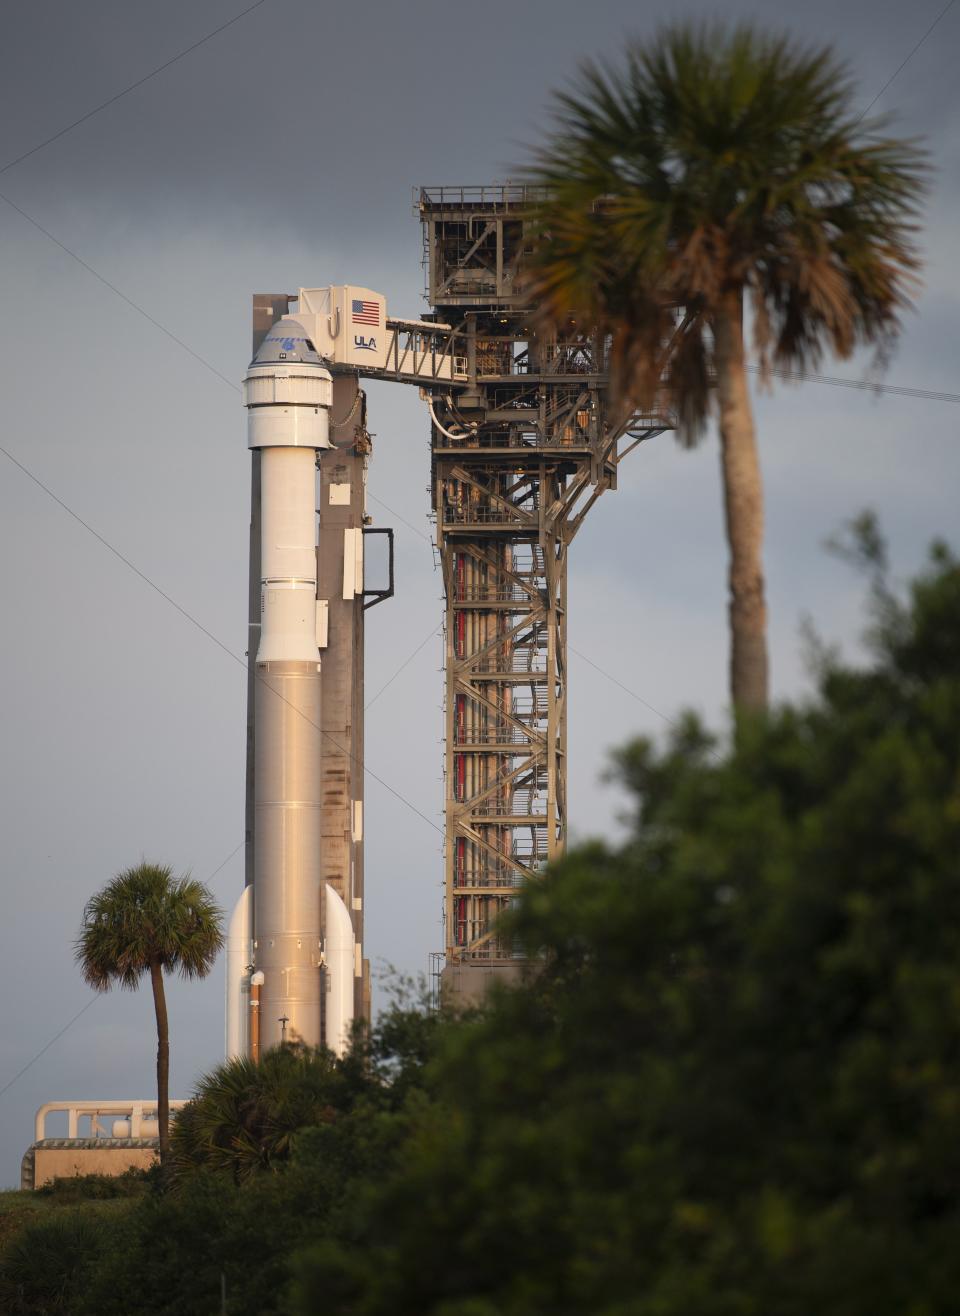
(239, 964)
(287, 393)
(340, 954)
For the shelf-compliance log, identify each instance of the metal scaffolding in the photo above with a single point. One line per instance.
(523, 443)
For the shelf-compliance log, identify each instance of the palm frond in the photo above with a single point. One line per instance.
(721, 161)
(245, 1114)
(145, 916)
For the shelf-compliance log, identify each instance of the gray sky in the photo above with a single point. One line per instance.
(282, 153)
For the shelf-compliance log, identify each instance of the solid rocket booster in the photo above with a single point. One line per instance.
(288, 393)
(239, 964)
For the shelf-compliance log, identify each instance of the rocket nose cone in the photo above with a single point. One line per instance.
(287, 341)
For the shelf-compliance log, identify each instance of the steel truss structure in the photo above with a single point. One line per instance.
(522, 448)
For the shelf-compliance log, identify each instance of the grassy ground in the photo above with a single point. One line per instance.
(18, 1209)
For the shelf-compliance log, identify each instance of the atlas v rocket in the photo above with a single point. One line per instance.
(295, 970)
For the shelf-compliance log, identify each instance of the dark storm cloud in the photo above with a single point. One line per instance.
(305, 115)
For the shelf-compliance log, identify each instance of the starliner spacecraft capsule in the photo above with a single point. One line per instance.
(276, 932)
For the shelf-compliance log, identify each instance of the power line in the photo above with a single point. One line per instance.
(406, 663)
(626, 689)
(120, 556)
(44, 1049)
(633, 695)
(114, 289)
(112, 100)
(821, 379)
(210, 635)
(865, 385)
(379, 501)
(899, 69)
(226, 861)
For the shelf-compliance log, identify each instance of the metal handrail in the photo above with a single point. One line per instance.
(504, 735)
(491, 594)
(513, 665)
(483, 194)
(136, 1112)
(466, 879)
(485, 515)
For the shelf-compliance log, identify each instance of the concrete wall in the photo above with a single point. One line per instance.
(465, 985)
(66, 1162)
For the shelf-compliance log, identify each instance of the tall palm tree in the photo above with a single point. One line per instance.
(146, 921)
(716, 168)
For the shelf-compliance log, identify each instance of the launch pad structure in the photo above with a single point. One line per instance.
(521, 451)
(524, 439)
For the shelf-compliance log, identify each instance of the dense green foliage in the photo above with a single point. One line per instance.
(18, 1209)
(245, 1114)
(98, 1187)
(731, 1088)
(48, 1262)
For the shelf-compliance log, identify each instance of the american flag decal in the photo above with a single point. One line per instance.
(366, 313)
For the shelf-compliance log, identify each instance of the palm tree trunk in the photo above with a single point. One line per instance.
(743, 508)
(163, 1058)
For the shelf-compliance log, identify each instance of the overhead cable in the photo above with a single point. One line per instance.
(899, 69)
(210, 636)
(112, 100)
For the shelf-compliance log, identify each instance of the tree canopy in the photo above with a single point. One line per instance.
(146, 916)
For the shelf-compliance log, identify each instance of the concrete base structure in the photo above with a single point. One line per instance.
(464, 985)
(66, 1158)
(103, 1137)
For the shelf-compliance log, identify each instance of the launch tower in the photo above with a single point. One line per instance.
(521, 450)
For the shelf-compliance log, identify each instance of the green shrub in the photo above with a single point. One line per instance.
(98, 1187)
(46, 1265)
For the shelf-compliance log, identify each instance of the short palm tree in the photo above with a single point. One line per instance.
(146, 921)
(245, 1113)
(722, 167)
